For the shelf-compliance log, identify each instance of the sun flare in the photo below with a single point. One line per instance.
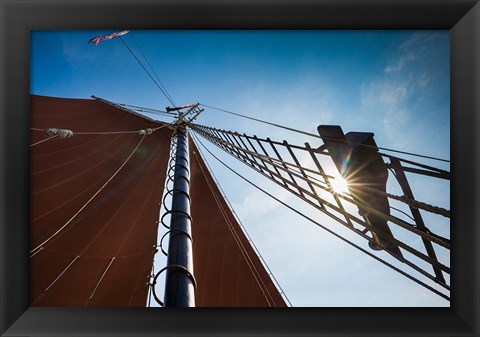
(339, 185)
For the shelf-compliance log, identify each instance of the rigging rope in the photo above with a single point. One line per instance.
(404, 213)
(153, 70)
(140, 132)
(40, 246)
(330, 231)
(420, 205)
(147, 109)
(317, 136)
(149, 284)
(147, 252)
(139, 62)
(101, 278)
(41, 141)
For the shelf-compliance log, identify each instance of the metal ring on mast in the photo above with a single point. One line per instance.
(179, 231)
(171, 267)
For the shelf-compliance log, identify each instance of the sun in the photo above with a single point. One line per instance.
(339, 185)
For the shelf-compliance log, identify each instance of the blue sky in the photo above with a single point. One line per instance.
(392, 83)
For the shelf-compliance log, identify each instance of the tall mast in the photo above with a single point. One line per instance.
(180, 283)
(179, 280)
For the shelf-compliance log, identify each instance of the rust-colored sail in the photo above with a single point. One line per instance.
(115, 233)
(228, 271)
(94, 207)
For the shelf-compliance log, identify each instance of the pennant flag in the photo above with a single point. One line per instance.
(97, 39)
(182, 107)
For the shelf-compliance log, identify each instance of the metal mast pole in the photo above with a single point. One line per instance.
(180, 283)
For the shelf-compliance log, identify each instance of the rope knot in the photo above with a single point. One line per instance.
(62, 133)
(145, 132)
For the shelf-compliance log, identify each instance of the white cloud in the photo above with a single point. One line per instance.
(400, 63)
(403, 84)
(410, 50)
(257, 203)
(392, 95)
(387, 102)
(424, 80)
(384, 94)
(417, 39)
(393, 68)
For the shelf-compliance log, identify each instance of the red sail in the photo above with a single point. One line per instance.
(94, 207)
(227, 269)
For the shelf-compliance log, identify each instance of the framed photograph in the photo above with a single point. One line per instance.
(405, 66)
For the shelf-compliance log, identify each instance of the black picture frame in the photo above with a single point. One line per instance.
(18, 18)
